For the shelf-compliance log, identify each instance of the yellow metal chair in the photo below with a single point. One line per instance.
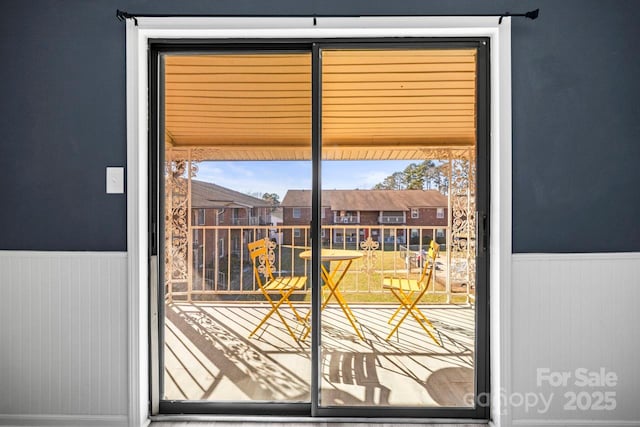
(410, 291)
(269, 284)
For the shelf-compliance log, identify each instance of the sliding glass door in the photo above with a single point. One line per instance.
(398, 178)
(320, 212)
(237, 137)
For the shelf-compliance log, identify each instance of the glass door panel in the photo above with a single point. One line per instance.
(237, 132)
(384, 141)
(398, 199)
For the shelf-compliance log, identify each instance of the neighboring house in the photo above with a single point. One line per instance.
(237, 213)
(276, 221)
(276, 217)
(389, 216)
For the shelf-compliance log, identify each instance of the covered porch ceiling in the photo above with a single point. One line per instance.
(376, 104)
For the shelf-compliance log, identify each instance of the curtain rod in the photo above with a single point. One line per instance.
(122, 15)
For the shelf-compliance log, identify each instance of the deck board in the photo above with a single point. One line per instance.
(208, 356)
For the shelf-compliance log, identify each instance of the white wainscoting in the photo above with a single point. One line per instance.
(63, 338)
(63, 335)
(573, 311)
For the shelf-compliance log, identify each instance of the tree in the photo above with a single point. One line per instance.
(273, 198)
(392, 182)
(413, 176)
(426, 175)
(255, 194)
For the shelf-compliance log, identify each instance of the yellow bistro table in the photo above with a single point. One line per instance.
(333, 277)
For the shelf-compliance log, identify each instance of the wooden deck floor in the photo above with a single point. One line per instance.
(209, 357)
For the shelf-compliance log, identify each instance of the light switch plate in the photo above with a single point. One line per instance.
(115, 180)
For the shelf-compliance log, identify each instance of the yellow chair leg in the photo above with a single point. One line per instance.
(412, 309)
(404, 299)
(275, 309)
(265, 318)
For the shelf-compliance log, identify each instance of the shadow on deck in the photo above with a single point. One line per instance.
(209, 357)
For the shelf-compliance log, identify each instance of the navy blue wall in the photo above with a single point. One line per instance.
(576, 128)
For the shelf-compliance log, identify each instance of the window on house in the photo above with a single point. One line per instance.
(296, 232)
(297, 213)
(199, 216)
(440, 213)
(197, 258)
(415, 213)
(220, 248)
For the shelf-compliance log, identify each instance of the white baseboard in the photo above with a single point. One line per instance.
(574, 423)
(63, 420)
(595, 256)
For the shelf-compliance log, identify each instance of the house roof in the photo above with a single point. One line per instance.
(368, 200)
(208, 195)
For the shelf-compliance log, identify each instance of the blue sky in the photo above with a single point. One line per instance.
(279, 176)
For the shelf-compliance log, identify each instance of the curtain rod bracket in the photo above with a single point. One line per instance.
(122, 16)
(532, 14)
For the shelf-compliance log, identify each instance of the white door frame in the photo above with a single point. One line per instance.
(138, 35)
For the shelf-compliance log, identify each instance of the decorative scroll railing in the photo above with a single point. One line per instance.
(221, 268)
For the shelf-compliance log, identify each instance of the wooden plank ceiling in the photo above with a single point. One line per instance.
(376, 104)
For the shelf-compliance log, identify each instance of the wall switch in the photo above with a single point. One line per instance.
(115, 180)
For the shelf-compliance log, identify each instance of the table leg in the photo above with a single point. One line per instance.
(332, 284)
